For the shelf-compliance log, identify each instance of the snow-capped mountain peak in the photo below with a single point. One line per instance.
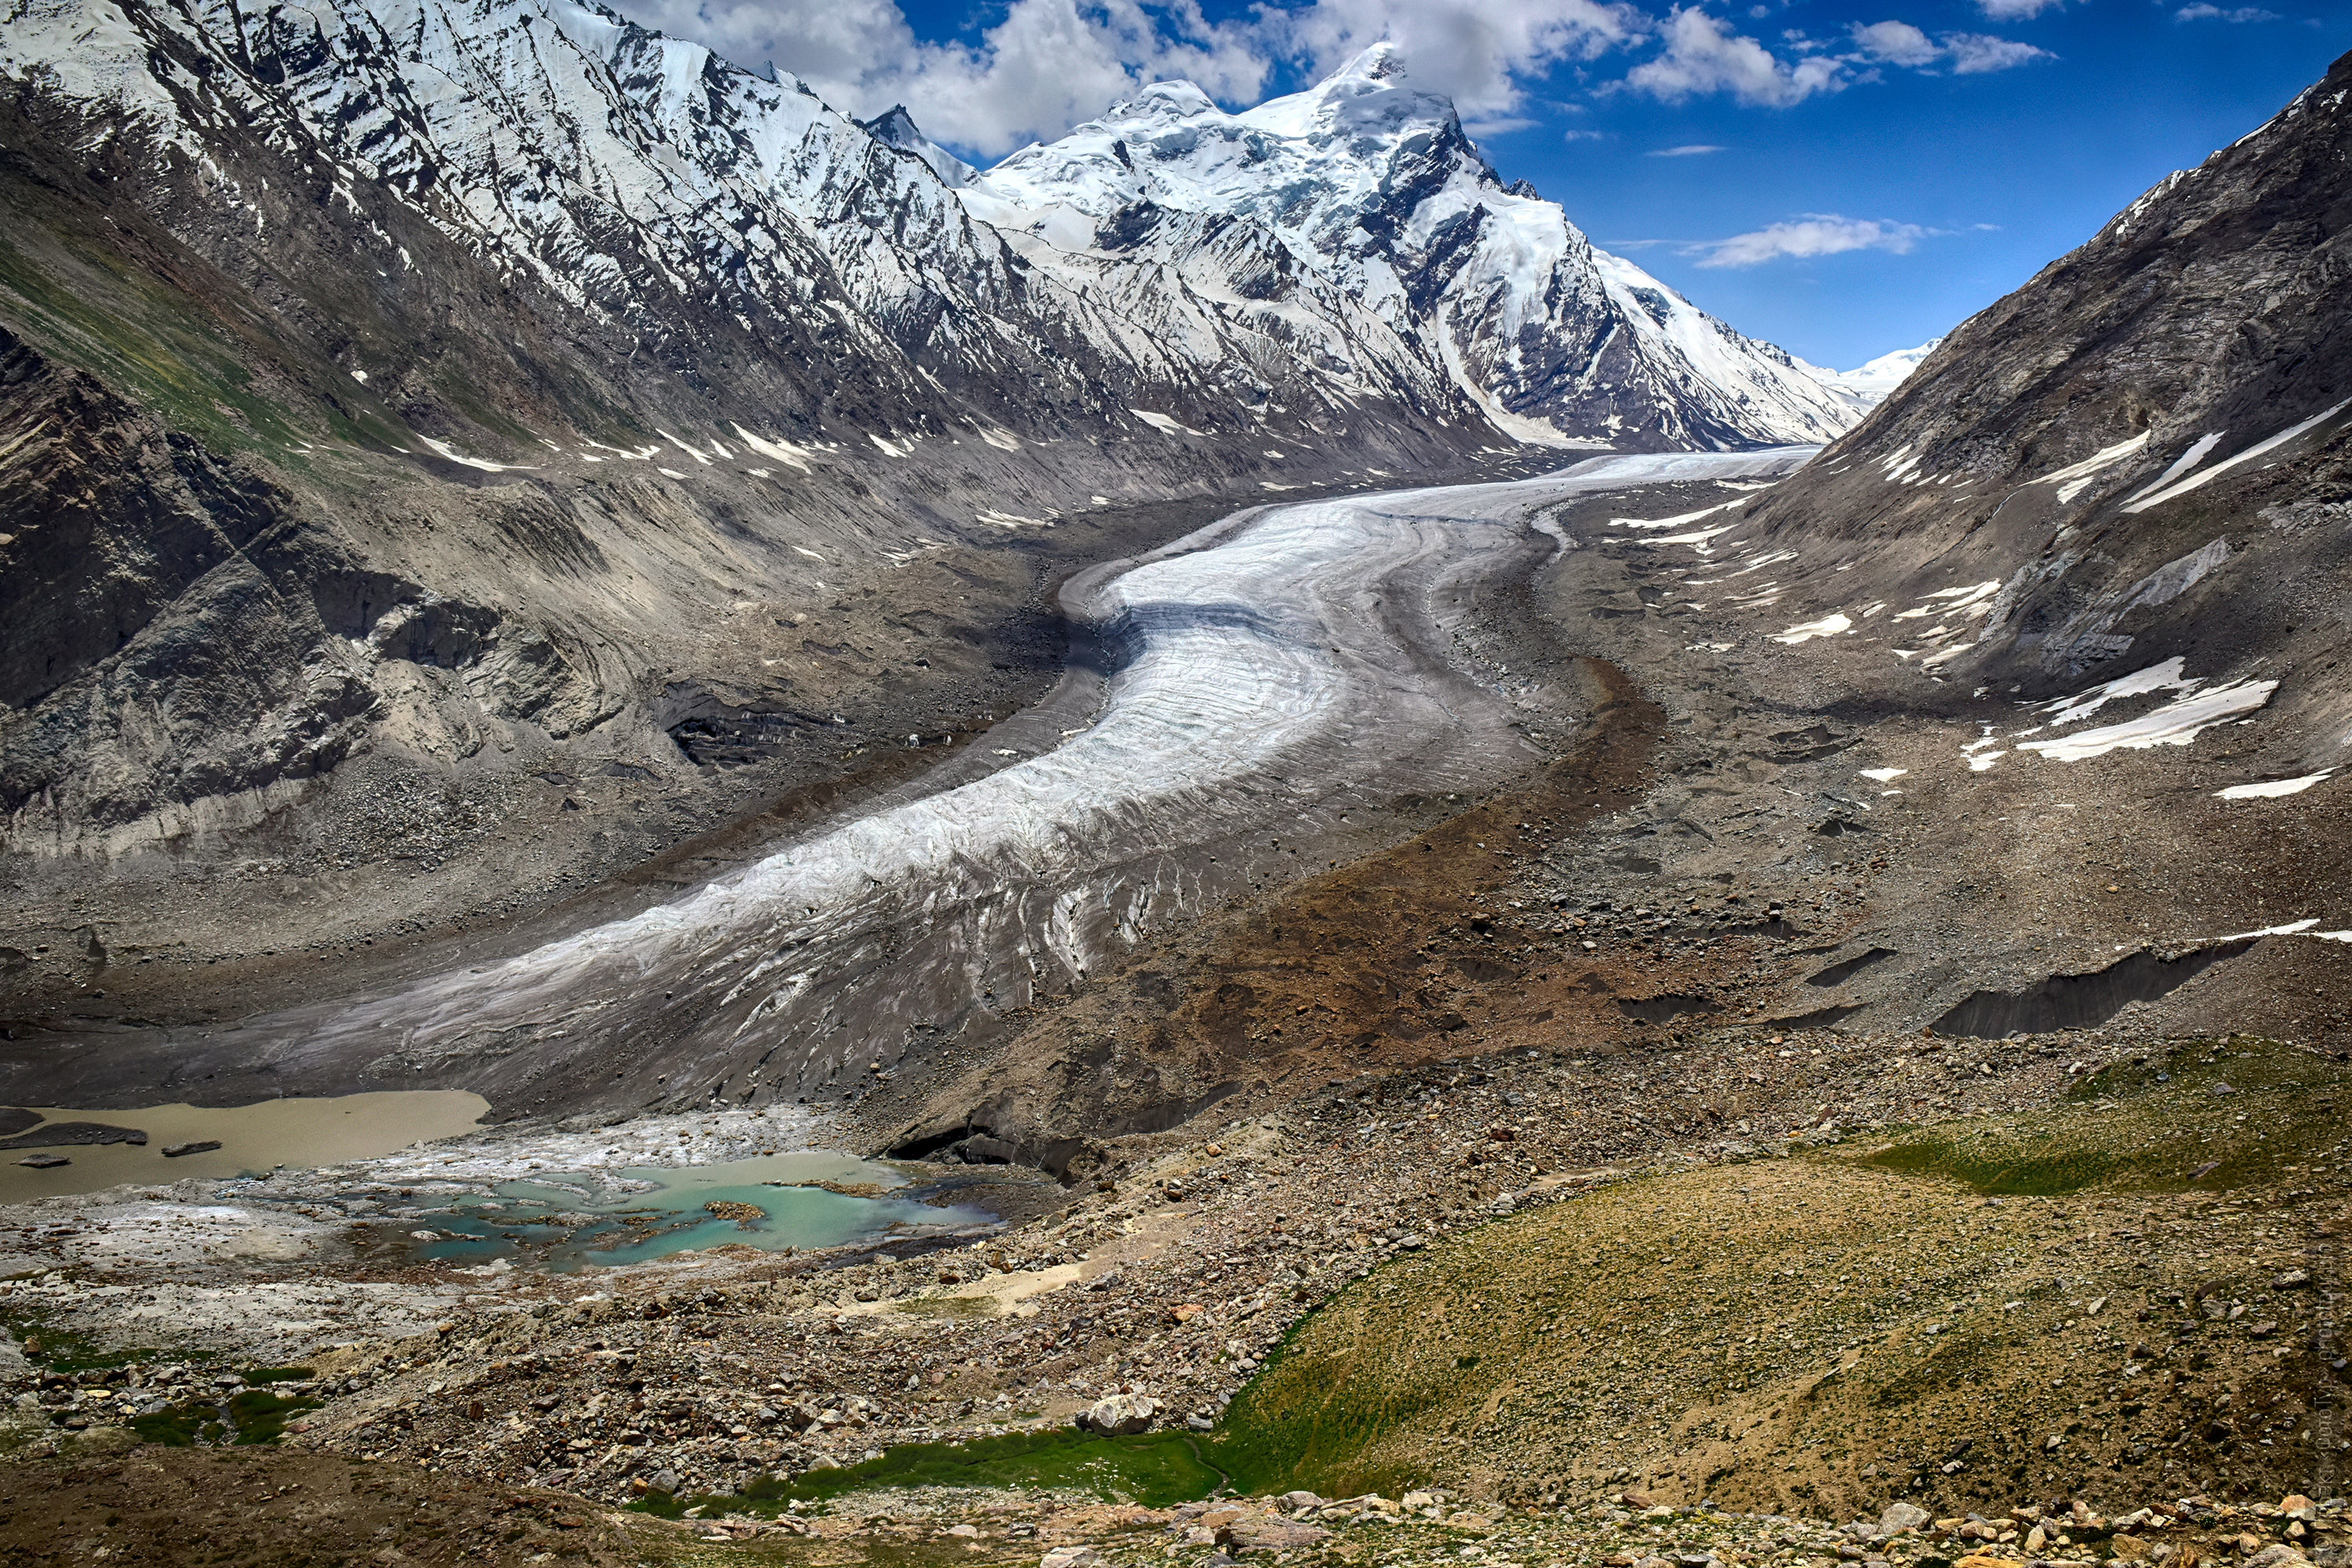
(1868, 386)
(896, 128)
(1371, 183)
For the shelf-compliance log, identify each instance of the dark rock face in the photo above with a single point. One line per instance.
(2142, 447)
(338, 410)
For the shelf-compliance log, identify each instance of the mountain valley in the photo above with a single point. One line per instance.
(1206, 844)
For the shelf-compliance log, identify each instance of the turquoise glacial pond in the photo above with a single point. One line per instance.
(771, 1203)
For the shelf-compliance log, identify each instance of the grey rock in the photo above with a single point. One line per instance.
(1121, 1414)
(1900, 1517)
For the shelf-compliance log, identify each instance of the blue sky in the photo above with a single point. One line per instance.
(1842, 180)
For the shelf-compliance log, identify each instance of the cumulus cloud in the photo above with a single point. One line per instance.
(2201, 12)
(1701, 56)
(2016, 10)
(1690, 150)
(1897, 43)
(1965, 54)
(1049, 64)
(1815, 233)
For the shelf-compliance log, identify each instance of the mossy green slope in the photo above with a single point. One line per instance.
(1882, 1319)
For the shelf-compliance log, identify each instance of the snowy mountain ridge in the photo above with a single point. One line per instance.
(1342, 254)
(1367, 181)
(1868, 384)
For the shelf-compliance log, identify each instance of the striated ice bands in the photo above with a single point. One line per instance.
(1261, 677)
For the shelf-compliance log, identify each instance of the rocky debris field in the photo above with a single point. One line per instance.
(2093, 1291)
(2133, 1288)
(247, 1506)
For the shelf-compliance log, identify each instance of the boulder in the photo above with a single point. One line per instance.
(2278, 1556)
(1900, 1517)
(1120, 1416)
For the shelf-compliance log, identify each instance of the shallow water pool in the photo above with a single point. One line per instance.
(574, 1220)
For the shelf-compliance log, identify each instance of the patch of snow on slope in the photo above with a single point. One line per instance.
(1827, 627)
(1672, 521)
(2272, 789)
(2144, 500)
(2165, 677)
(2074, 478)
(452, 455)
(2176, 723)
(2187, 460)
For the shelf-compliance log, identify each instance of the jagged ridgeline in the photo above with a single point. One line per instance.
(518, 347)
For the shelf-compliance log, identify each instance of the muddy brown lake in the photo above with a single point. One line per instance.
(252, 1138)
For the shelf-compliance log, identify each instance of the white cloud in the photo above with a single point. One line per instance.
(1973, 54)
(1049, 64)
(1897, 43)
(1815, 233)
(1967, 54)
(1691, 150)
(2201, 12)
(1473, 51)
(2016, 10)
(1701, 56)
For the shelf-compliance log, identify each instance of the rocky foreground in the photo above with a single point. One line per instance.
(154, 1506)
(2114, 1293)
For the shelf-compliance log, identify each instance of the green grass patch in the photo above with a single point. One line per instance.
(2207, 1114)
(660, 1504)
(251, 1416)
(53, 1349)
(1157, 1469)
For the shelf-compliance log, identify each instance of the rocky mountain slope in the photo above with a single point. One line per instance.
(1369, 186)
(2139, 453)
(425, 416)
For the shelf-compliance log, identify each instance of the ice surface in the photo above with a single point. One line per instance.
(1884, 775)
(1276, 668)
